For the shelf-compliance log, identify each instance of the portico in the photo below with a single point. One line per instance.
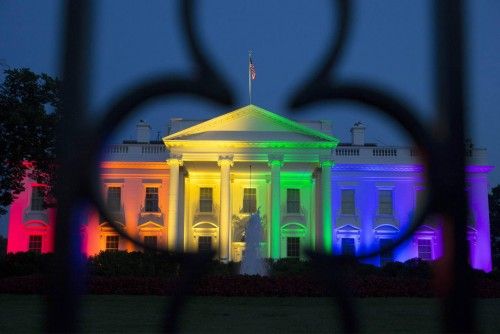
(242, 161)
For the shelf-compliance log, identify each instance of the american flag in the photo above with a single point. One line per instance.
(251, 68)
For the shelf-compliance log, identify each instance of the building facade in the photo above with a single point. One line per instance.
(196, 189)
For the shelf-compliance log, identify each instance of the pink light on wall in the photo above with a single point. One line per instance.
(24, 222)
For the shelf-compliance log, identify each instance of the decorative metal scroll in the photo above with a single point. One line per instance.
(442, 148)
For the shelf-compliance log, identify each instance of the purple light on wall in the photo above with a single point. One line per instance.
(479, 217)
(404, 181)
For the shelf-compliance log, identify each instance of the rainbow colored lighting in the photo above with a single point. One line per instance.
(214, 157)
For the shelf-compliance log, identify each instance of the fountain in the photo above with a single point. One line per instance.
(252, 263)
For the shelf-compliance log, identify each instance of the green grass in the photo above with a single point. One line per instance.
(138, 314)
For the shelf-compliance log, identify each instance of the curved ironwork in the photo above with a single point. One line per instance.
(80, 170)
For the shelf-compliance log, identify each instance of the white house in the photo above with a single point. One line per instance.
(196, 189)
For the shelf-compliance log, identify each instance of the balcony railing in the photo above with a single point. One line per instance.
(135, 152)
(396, 155)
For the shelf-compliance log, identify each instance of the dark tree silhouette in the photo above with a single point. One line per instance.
(29, 110)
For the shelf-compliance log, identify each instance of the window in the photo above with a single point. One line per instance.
(385, 202)
(112, 242)
(114, 199)
(293, 200)
(425, 249)
(37, 199)
(249, 200)
(151, 241)
(35, 243)
(293, 247)
(347, 204)
(204, 244)
(206, 200)
(386, 256)
(151, 202)
(348, 247)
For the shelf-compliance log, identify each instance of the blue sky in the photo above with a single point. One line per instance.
(390, 45)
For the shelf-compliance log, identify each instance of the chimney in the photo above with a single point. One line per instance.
(143, 132)
(358, 134)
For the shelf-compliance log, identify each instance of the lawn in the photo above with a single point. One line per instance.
(136, 314)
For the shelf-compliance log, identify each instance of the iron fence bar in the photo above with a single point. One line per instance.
(64, 301)
(458, 315)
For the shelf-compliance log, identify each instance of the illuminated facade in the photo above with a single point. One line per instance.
(196, 189)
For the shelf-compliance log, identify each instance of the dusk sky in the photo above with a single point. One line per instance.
(390, 45)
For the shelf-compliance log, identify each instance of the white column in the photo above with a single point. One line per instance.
(326, 205)
(225, 164)
(173, 203)
(275, 163)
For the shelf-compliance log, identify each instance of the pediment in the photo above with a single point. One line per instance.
(36, 224)
(386, 228)
(250, 124)
(347, 228)
(204, 225)
(293, 226)
(105, 224)
(149, 224)
(425, 229)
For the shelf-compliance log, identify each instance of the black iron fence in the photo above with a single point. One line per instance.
(441, 142)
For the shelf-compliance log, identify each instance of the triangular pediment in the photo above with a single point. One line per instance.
(149, 224)
(347, 228)
(251, 124)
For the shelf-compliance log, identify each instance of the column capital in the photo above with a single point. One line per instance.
(275, 160)
(326, 162)
(175, 160)
(225, 161)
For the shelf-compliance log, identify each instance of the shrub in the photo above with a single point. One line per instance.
(417, 267)
(393, 269)
(121, 263)
(287, 267)
(26, 263)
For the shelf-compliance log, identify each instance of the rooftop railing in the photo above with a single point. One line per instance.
(342, 154)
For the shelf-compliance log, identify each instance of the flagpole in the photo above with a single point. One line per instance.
(249, 77)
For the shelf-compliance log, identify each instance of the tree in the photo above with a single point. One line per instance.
(3, 246)
(29, 111)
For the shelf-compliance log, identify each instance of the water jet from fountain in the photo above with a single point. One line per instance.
(252, 263)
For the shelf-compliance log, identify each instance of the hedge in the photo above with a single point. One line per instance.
(254, 286)
(159, 274)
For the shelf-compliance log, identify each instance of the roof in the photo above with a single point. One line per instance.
(255, 126)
